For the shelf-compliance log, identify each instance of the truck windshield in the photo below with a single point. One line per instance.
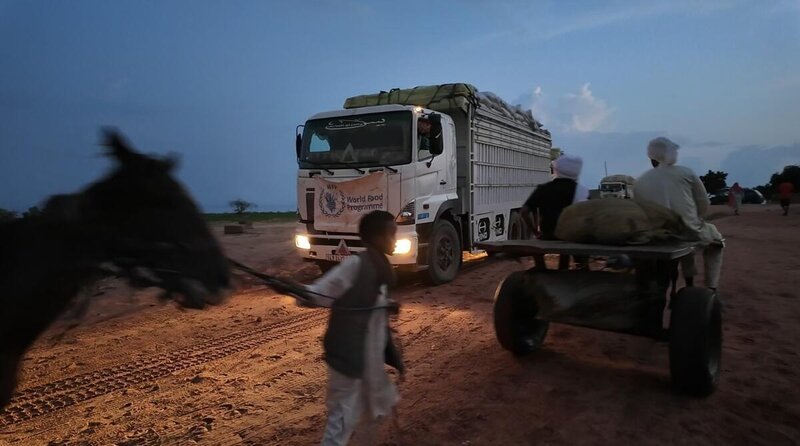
(377, 139)
(611, 187)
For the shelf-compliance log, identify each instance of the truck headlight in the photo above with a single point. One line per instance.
(302, 241)
(402, 246)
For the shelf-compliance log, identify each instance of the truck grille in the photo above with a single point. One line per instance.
(318, 241)
(309, 206)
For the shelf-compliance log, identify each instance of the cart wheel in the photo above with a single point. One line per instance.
(515, 323)
(695, 341)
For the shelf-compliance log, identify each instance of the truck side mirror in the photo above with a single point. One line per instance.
(437, 145)
(298, 141)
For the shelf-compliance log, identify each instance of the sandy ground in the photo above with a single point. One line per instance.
(250, 371)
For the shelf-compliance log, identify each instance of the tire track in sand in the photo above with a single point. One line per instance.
(44, 399)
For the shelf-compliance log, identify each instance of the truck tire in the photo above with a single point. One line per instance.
(444, 253)
(695, 341)
(515, 323)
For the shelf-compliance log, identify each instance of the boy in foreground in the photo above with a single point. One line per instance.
(358, 341)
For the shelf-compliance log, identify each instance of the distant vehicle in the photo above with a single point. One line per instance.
(751, 196)
(617, 186)
(719, 197)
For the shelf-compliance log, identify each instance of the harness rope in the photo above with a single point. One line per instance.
(302, 294)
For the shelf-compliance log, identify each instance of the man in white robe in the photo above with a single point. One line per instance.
(679, 189)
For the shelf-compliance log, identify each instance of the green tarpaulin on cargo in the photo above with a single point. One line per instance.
(445, 97)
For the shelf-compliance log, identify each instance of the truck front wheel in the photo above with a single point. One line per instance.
(444, 253)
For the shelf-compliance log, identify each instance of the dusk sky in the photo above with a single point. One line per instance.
(225, 83)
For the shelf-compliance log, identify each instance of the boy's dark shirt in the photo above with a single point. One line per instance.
(345, 337)
(551, 198)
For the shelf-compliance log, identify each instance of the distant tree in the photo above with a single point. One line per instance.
(789, 173)
(6, 215)
(32, 212)
(241, 206)
(714, 181)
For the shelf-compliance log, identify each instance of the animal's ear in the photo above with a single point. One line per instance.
(118, 146)
(172, 161)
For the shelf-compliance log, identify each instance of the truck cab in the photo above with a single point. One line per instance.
(403, 171)
(617, 186)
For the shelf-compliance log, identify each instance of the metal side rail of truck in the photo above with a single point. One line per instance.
(452, 164)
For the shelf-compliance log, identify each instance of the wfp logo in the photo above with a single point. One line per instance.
(331, 203)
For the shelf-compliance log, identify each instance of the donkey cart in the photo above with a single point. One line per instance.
(526, 302)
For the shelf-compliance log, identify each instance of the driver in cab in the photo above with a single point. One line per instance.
(424, 133)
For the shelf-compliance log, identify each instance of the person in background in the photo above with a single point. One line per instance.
(357, 343)
(542, 209)
(785, 191)
(735, 197)
(678, 188)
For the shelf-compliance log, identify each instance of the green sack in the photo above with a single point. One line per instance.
(616, 221)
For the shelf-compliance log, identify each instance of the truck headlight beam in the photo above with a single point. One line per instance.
(402, 246)
(302, 242)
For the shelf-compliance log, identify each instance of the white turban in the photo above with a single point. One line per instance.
(663, 150)
(568, 166)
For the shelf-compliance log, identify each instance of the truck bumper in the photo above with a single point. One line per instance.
(335, 248)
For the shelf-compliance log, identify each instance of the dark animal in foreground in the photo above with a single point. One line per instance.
(137, 223)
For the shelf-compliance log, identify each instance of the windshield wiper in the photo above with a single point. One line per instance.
(357, 169)
(314, 163)
(389, 168)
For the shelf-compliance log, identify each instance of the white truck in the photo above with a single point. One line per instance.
(460, 183)
(617, 186)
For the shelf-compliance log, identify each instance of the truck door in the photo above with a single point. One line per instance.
(432, 172)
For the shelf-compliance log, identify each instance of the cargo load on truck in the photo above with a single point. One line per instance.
(447, 98)
(619, 178)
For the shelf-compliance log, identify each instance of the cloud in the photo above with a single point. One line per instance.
(572, 112)
(786, 82)
(620, 12)
(755, 165)
(625, 153)
(622, 153)
(587, 111)
(535, 21)
(783, 7)
(749, 165)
